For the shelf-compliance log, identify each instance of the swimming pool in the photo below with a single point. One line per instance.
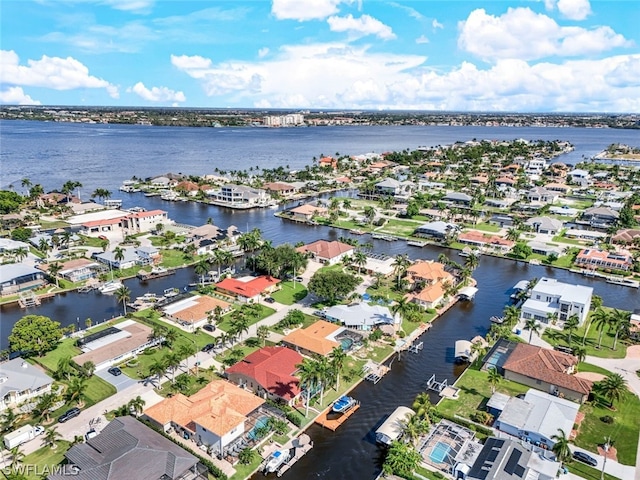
(439, 452)
(346, 343)
(261, 423)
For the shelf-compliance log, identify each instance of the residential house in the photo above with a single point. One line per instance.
(115, 344)
(194, 311)
(361, 316)
(506, 459)
(627, 236)
(486, 241)
(327, 252)
(148, 255)
(143, 222)
(18, 277)
(546, 370)
(215, 416)
(600, 217)
(505, 181)
(541, 195)
(550, 298)
(428, 281)
(306, 212)
(248, 289)
(535, 166)
(94, 228)
(547, 225)
(269, 373)
(20, 381)
(393, 188)
(542, 248)
(9, 247)
(579, 177)
(558, 187)
(438, 230)
(129, 258)
(565, 211)
(127, 448)
(589, 235)
(503, 221)
(208, 237)
(537, 417)
(280, 188)
(594, 258)
(76, 270)
(239, 196)
(457, 198)
(317, 339)
(163, 181)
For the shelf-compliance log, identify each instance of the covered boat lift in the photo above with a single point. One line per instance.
(393, 427)
(468, 293)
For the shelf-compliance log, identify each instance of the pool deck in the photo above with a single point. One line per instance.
(333, 423)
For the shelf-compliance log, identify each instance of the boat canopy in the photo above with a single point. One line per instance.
(468, 292)
(393, 426)
(521, 285)
(463, 349)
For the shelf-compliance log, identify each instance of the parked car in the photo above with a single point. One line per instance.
(38, 429)
(209, 328)
(208, 347)
(69, 414)
(269, 300)
(299, 279)
(115, 371)
(583, 457)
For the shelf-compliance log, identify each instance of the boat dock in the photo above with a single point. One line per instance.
(416, 243)
(374, 372)
(300, 447)
(382, 236)
(28, 299)
(142, 275)
(332, 421)
(433, 384)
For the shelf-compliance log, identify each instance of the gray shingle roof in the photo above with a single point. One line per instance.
(20, 375)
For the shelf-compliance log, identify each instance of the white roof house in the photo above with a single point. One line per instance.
(361, 316)
(19, 381)
(537, 417)
(552, 297)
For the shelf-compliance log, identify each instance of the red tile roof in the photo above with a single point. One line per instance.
(549, 366)
(272, 368)
(247, 289)
(150, 213)
(325, 249)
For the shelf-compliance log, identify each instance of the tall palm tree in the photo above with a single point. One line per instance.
(513, 234)
(240, 322)
(16, 457)
(494, 378)
(400, 264)
(422, 405)
(325, 374)
(118, 254)
(533, 326)
(402, 308)
(613, 387)
(76, 388)
(54, 269)
(45, 405)
(308, 375)
(511, 315)
(185, 351)
(123, 294)
(222, 257)
(338, 356)
(172, 362)
(202, 268)
(472, 261)
(580, 351)
(157, 368)
(262, 333)
(8, 418)
(360, 260)
(137, 405)
(414, 427)
(561, 446)
(600, 320)
(619, 321)
(570, 325)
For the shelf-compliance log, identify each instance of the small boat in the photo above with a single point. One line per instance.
(343, 404)
(627, 282)
(158, 270)
(276, 459)
(498, 320)
(110, 287)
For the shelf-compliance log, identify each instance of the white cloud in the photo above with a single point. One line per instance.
(521, 33)
(412, 12)
(263, 52)
(157, 94)
(574, 9)
(130, 5)
(436, 24)
(359, 27)
(129, 38)
(305, 10)
(195, 62)
(50, 72)
(16, 96)
(422, 39)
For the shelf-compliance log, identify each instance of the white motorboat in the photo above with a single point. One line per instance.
(276, 459)
(110, 287)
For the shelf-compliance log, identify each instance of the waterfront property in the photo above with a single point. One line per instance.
(428, 281)
(269, 372)
(194, 311)
(503, 458)
(20, 381)
(306, 212)
(239, 196)
(549, 298)
(126, 448)
(595, 258)
(216, 416)
(437, 230)
(486, 241)
(18, 277)
(393, 427)
(76, 270)
(142, 222)
(327, 252)
(536, 418)
(546, 370)
(115, 344)
(447, 445)
(208, 238)
(362, 316)
(317, 339)
(248, 289)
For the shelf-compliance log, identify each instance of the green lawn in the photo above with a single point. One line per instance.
(245, 471)
(485, 227)
(588, 473)
(66, 348)
(225, 324)
(556, 337)
(308, 320)
(290, 294)
(45, 458)
(97, 390)
(475, 391)
(173, 258)
(623, 431)
(588, 367)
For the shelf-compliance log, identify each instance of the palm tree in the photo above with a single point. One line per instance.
(422, 405)
(263, 332)
(402, 459)
(118, 254)
(580, 351)
(170, 336)
(513, 234)
(413, 427)
(325, 374)
(137, 405)
(613, 387)
(570, 325)
(338, 356)
(308, 375)
(494, 378)
(8, 418)
(76, 388)
(400, 264)
(16, 457)
(123, 294)
(21, 253)
(533, 326)
(561, 446)
(172, 362)
(27, 184)
(472, 261)
(89, 368)
(600, 320)
(402, 308)
(54, 269)
(185, 351)
(45, 405)
(239, 322)
(619, 321)
(222, 257)
(202, 268)
(64, 368)
(360, 260)
(511, 315)
(157, 368)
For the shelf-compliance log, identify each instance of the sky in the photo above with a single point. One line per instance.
(487, 56)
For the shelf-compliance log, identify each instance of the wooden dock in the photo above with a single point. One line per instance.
(333, 423)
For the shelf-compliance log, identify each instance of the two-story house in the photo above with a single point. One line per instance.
(550, 298)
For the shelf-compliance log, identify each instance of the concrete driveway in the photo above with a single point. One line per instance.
(120, 382)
